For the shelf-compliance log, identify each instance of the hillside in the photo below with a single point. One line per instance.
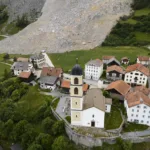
(68, 25)
(132, 30)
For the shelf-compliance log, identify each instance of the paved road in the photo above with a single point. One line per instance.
(48, 61)
(63, 107)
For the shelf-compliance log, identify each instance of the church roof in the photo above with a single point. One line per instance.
(76, 70)
(95, 98)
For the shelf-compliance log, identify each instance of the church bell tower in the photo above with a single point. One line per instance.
(76, 95)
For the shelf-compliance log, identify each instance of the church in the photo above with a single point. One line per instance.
(87, 110)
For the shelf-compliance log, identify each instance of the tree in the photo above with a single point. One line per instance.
(15, 59)
(47, 124)
(6, 56)
(8, 127)
(45, 140)
(35, 147)
(6, 74)
(20, 128)
(23, 21)
(106, 94)
(28, 137)
(58, 128)
(61, 143)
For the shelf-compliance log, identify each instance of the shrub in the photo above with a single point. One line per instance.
(23, 21)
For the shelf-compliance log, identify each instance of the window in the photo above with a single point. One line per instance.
(76, 116)
(137, 110)
(113, 74)
(132, 110)
(143, 116)
(141, 121)
(141, 74)
(148, 116)
(132, 115)
(145, 107)
(147, 121)
(76, 103)
(93, 116)
(138, 106)
(75, 90)
(76, 81)
(143, 78)
(136, 115)
(144, 111)
(136, 74)
(131, 73)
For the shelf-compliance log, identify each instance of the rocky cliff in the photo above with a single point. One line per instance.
(68, 25)
(19, 7)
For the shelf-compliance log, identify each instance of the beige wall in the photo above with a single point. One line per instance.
(76, 103)
(75, 116)
(80, 78)
(80, 91)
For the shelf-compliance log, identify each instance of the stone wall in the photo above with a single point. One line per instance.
(90, 141)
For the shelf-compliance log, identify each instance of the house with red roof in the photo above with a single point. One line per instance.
(136, 74)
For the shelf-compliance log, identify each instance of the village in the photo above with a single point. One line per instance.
(86, 96)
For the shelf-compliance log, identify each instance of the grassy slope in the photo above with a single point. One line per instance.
(32, 101)
(142, 12)
(68, 59)
(2, 68)
(113, 120)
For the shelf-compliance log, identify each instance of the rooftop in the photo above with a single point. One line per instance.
(22, 59)
(107, 57)
(25, 75)
(136, 98)
(96, 62)
(138, 67)
(37, 56)
(95, 98)
(77, 70)
(115, 68)
(143, 58)
(48, 80)
(120, 86)
(51, 71)
(20, 65)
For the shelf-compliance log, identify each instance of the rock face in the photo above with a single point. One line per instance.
(67, 25)
(19, 7)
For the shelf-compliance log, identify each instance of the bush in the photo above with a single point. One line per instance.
(23, 21)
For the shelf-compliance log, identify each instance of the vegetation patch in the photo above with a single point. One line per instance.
(3, 67)
(68, 118)
(129, 127)
(55, 103)
(113, 119)
(68, 59)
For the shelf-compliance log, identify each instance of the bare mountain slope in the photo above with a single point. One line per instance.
(68, 25)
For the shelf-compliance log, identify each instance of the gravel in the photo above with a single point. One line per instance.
(67, 25)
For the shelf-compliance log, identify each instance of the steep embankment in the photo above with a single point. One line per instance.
(68, 25)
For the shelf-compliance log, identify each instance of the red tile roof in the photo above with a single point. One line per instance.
(115, 68)
(136, 98)
(142, 89)
(120, 86)
(25, 75)
(51, 71)
(107, 57)
(138, 67)
(143, 58)
(66, 84)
